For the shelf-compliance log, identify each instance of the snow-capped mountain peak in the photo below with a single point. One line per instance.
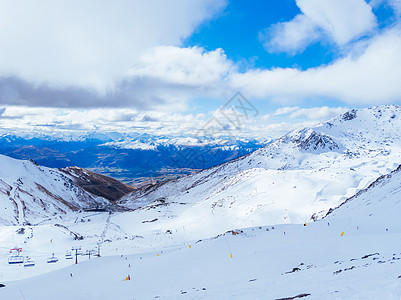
(303, 174)
(309, 140)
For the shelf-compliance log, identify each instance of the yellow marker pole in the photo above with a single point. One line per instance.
(342, 233)
(189, 246)
(229, 248)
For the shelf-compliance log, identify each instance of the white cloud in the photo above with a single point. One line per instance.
(123, 120)
(278, 128)
(156, 77)
(285, 110)
(396, 5)
(367, 77)
(294, 114)
(376, 3)
(319, 113)
(291, 37)
(314, 113)
(168, 77)
(72, 123)
(342, 21)
(184, 66)
(90, 42)
(164, 78)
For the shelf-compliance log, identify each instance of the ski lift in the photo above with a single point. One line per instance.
(68, 255)
(86, 253)
(52, 259)
(15, 258)
(29, 262)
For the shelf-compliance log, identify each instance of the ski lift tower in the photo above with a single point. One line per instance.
(98, 249)
(76, 249)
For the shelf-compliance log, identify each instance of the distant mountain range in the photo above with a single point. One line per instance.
(294, 179)
(134, 159)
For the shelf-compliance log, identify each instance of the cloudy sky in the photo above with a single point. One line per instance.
(168, 66)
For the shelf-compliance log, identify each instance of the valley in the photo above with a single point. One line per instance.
(314, 214)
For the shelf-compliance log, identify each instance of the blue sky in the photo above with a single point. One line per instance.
(135, 64)
(237, 28)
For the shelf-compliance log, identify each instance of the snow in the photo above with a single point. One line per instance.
(300, 175)
(364, 263)
(236, 231)
(126, 139)
(31, 194)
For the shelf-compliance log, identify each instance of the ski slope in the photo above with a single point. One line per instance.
(235, 231)
(268, 262)
(30, 194)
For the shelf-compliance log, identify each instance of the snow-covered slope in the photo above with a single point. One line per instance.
(353, 253)
(298, 177)
(30, 193)
(378, 206)
(174, 245)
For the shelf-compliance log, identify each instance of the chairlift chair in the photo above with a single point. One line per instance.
(52, 259)
(16, 259)
(29, 262)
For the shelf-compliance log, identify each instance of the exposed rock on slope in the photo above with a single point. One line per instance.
(97, 184)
